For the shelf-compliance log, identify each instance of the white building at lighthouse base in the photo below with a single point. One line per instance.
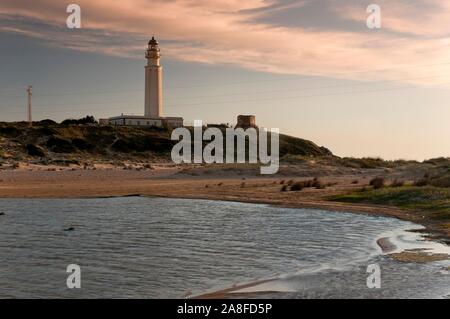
(136, 120)
(153, 96)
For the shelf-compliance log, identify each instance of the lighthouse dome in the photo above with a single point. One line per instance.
(153, 41)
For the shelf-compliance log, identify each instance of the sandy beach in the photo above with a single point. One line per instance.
(167, 180)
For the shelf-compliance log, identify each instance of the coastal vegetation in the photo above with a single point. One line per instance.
(426, 200)
(47, 142)
(434, 200)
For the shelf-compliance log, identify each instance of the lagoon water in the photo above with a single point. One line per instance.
(138, 247)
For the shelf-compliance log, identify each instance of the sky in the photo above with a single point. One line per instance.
(311, 68)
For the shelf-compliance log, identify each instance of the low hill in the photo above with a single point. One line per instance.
(49, 142)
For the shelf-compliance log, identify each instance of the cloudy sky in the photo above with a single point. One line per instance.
(309, 67)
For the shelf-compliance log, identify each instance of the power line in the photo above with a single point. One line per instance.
(309, 88)
(257, 92)
(76, 110)
(324, 75)
(243, 101)
(253, 81)
(9, 90)
(81, 104)
(296, 97)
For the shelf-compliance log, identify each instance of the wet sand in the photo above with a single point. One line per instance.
(247, 290)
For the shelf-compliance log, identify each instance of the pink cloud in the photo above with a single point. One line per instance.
(224, 32)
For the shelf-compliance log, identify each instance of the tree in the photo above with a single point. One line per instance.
(89, 119)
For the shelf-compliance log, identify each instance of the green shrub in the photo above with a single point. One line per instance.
(82, 144)
(442, 181)
(377, 182)
(85, 120)
(397, 183)
(297, 187)
(422, 182)
(34, 150)
(60, 145)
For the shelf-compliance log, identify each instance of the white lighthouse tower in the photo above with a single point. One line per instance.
(153, 81)
(153, 111)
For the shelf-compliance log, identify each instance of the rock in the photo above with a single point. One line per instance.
(386, 245)
(2, 214)
(69, 229)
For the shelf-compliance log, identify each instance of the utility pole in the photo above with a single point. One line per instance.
(30, 93)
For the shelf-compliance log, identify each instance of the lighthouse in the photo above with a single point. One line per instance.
(153, 108)
(153, 81)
